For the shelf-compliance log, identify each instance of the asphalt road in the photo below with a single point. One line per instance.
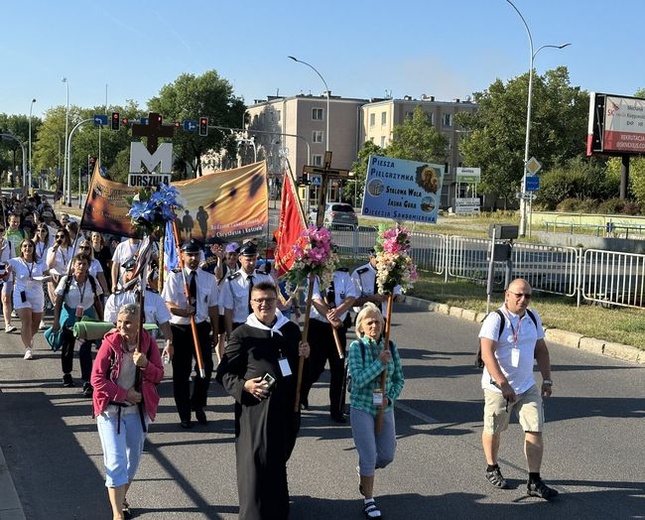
(594, 442)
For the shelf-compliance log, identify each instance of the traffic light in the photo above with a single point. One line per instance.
(203, 126)
(116, 120)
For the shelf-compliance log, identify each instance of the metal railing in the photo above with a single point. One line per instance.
(608, 278)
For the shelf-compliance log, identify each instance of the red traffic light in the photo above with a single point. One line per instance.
(203, 126)
(116, 120)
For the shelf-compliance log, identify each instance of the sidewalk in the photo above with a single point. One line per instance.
(10, 506)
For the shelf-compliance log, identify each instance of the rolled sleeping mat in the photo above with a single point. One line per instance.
(90, 330)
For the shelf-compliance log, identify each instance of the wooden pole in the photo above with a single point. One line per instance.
(193, 325)
(386, 334)
(305, 332)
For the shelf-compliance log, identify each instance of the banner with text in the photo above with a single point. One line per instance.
(229, 204)
(402, 190)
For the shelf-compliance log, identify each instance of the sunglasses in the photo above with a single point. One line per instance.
(60, 236)
(85, 247)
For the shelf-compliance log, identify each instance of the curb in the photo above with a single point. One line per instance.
(562, 337)
(10, 505)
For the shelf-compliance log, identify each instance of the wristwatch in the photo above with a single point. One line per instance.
(547, 382)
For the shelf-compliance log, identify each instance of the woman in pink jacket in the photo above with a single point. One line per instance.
(124, 377)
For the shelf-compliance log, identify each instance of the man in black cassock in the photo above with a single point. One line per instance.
(259, 369)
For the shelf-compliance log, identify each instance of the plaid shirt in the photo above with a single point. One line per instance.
(365, 370)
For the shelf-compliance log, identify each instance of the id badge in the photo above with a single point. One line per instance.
(284, 366)
(515, 357)
(79, 311)
(377, 399)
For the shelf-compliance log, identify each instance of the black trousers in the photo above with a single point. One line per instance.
(182, 366)
(84, 356)
(323, 349)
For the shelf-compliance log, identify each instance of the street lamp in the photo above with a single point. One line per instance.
(326, 90)
(31, 107)
(532, 55)
(66, 181)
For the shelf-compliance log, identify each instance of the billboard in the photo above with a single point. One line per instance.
(402, 190)
(616, 124)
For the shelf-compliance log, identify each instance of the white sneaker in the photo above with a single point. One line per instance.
(14, 314)
(42, 325)
(28, 354)
(10, 328)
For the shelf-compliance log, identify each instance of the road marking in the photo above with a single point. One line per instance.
(414, 413)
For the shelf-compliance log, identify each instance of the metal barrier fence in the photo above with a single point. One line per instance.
(605, 277)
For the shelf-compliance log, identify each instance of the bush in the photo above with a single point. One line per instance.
(569, 205)
(612, 206)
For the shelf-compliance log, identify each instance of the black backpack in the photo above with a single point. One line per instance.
(479, 363)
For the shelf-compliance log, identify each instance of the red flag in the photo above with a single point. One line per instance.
(290, 225)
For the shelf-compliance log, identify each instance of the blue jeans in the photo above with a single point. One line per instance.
(122, 451)
(374, 451)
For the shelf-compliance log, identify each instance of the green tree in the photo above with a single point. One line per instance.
(359, 169)
(11, 151)
(496, 132)
(418, 140)
(191, 97)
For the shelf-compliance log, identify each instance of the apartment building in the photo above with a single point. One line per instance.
(295, 129)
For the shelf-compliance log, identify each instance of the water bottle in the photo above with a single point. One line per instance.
(166, 359)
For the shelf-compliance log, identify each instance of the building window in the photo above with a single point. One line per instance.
(383, 141)
(372, 119)
(446, 120)
(317, 136)
(317, 160)
(317, 114)
(383, 118)
(431, 118)
(279, 114)
(408, 115)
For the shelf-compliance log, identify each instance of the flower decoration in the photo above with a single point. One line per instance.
(151, 209)
(394, 266)
(314, 255)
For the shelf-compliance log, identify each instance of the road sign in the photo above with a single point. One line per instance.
(469, 175)
(532, 183)
(189, 126)
(100, 119)
(316, 180)
(148, 180)
(143, 121)
(533, 166)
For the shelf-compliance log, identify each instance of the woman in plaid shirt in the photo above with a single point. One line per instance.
(367, 360)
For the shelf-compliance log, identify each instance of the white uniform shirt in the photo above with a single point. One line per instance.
(343, 288)
(521, 377)
(364, 278)
(207, 294)
(62, 257)
(235, 292)
(154, 306)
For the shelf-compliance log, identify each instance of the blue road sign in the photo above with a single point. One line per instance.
(190, 126)
(532, 183)
(143, 120)
(100, 120)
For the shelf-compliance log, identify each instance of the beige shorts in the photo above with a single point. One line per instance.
(528, 408)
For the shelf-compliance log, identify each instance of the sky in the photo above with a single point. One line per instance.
(120, 50)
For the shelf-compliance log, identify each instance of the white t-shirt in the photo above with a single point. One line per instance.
(24, 273)
(516, 332)
(78, 294)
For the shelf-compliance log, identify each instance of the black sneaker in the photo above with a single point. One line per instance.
(541, 490)
(67, 380)
(496, 479)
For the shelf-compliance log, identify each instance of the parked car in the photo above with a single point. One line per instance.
(337, 214)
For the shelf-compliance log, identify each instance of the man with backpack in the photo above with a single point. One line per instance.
(511, 340)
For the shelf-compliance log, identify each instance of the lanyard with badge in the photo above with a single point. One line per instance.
(283, 362)
(514, 337)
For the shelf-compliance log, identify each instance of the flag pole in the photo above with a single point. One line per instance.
(193, 325)
(388, 320)
(305, 333)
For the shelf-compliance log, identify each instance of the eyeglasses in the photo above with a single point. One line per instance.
(85, 247)
(260, 301)
(520, 295)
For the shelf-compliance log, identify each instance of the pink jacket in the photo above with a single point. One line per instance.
(107, 390)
